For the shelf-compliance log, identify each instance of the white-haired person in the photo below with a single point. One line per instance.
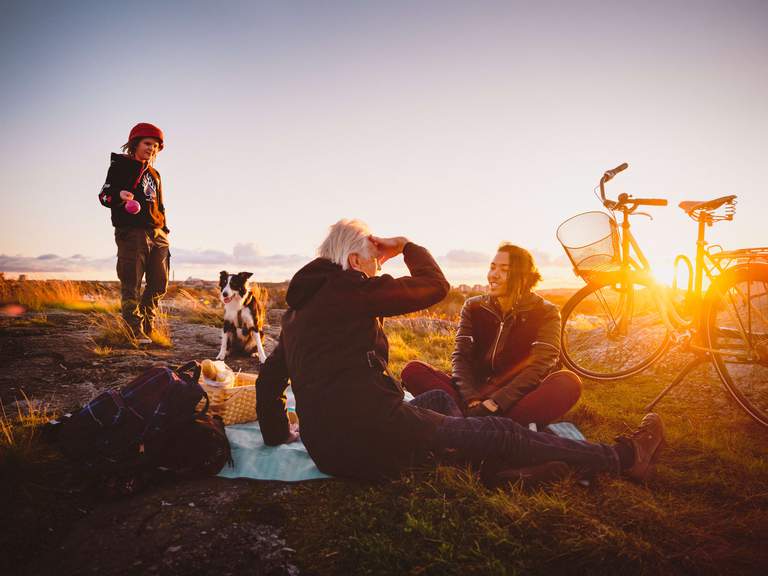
(354, 420)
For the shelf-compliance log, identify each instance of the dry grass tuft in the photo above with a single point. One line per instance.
(197, 309)
(161, 335)
(63, 294)
(30, 417)
(100, 350)
(112, 331)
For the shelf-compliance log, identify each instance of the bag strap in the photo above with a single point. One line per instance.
(191, 369)
(195, 368)
(117, 398)
(204, 409)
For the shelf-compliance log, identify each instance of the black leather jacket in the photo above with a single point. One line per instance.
(504, 358)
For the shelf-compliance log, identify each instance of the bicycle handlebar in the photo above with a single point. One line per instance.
(609, 174)
(625, 201)
(648, 201)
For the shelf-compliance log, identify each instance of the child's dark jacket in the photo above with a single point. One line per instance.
(143, 181)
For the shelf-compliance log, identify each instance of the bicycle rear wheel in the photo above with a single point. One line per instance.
(737, 335)
(613, 328)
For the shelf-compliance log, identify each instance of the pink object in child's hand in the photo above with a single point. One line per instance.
(132, 207)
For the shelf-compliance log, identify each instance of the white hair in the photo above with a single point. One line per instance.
(344, 238)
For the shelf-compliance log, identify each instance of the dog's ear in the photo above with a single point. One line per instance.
(245, 275)
(223, 275)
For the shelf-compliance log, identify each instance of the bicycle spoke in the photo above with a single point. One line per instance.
(738, 337)
(613, 329)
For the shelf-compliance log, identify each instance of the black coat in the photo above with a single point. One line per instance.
(143, 181)
(353, 419)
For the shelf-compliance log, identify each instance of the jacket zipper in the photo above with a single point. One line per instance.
(496, 345)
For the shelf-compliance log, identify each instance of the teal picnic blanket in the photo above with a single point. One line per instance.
(291, 462)
(565, 430)
(254, 459)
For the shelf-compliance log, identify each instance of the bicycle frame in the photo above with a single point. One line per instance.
(704, 265)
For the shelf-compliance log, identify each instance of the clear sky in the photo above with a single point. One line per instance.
(458, 124)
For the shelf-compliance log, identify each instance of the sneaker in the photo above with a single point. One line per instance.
(646, 443)
(531, 476)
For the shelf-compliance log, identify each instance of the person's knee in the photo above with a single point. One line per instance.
(414, 368)
(569, 384)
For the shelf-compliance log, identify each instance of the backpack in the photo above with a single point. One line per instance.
(196, 448)
(142, 425)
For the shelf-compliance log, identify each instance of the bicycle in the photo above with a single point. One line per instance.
(623, 320)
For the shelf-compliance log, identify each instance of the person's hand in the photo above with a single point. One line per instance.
(388, 247)
(125, 195)
(477, 410)
(293, 433)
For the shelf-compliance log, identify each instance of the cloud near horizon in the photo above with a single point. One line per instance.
(196, 263)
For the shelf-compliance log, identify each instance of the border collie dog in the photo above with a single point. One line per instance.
(244, 315)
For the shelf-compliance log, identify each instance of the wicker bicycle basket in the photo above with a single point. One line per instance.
(591, 241)
(235, 404)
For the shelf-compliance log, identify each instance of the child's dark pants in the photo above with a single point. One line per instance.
(141, 252)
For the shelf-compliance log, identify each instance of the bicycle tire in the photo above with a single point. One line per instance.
(736, 315)
(594, 344)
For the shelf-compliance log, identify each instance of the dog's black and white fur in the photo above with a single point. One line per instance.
(244, 314)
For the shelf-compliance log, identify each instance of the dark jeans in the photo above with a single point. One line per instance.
(141, 252)
(502, 439)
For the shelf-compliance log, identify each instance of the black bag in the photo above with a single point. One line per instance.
(123, 429)
(196, 448)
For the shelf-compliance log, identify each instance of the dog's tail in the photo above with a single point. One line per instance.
(261, 297)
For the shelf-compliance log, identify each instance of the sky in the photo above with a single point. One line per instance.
(456, 124)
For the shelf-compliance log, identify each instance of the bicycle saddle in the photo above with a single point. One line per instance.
(691, 206)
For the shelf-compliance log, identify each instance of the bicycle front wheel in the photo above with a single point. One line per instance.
(614, 328)
(737, 335)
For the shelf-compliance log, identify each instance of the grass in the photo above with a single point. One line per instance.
(28, 419)
(199, 309)
(113, 332)
(411, 339)
(161, 334)
(62, 294)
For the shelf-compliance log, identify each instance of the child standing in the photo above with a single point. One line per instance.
(134, 194)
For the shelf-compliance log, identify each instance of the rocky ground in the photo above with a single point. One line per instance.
(207, 526)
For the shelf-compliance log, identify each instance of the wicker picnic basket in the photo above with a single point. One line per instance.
(235, 404)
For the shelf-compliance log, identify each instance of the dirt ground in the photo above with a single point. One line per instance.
(207, 526)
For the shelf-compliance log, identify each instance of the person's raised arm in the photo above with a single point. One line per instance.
(388, 296)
